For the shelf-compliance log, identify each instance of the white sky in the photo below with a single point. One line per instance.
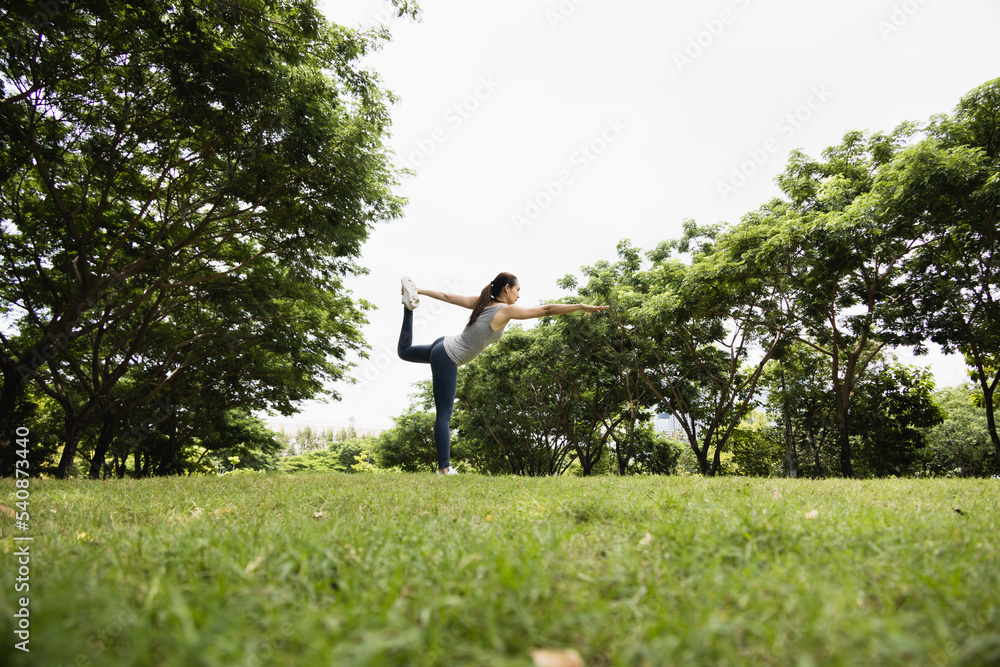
(597, 120)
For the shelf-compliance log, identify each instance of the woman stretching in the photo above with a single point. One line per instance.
(491, 311)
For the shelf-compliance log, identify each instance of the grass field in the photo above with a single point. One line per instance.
(336, 569)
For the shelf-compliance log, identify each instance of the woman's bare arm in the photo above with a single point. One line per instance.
(463, 301)
(508, 313)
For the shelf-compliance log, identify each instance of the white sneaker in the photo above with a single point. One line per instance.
(410, 298)
(451, 471)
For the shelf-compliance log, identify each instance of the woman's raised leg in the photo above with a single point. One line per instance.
(420, 354)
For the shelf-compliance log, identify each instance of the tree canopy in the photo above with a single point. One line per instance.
(887, 240)
(184, 188)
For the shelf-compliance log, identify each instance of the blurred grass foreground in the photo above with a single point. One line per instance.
(414, 569)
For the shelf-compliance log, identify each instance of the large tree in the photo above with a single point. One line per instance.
(182, 184)
(680, 345)
(949, 184)
(513, 409)
(622, 402)
(834, 258)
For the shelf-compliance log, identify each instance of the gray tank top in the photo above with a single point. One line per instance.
(474, 338)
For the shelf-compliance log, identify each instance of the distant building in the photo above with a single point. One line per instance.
(666, 423)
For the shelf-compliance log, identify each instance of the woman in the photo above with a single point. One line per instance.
(491, 311)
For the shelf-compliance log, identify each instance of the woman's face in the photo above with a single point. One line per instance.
(510, 294)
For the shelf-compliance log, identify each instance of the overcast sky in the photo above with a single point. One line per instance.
(542, 132)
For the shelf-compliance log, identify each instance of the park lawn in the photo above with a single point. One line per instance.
(334, 569)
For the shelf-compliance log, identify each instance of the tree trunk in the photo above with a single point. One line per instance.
(786, 418)
(716, 461)
(624, 459)
(844, 438)
(703, 464)
(991, 423)
(169, 460)
(989, 391)
(72, 435)
(103, 443)
(13, 388)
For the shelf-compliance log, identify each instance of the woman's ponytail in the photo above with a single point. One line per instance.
(490, 293)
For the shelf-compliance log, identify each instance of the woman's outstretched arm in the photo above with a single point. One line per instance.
(463, 301)
(508, 313)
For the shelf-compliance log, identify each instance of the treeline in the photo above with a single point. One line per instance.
(769, 341)
(887, 240)
(893, 400)
(184, 188)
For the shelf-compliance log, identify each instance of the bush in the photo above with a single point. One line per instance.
(314, 461)
(757, 453)
(661, 455)
(960, 446)
(409, 445)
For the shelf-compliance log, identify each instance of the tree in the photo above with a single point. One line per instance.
(683, 350)
(409, 445)
(799, 399)
(597, 399)
(511, 412)
(891, 411)
(621, 402)
(656, 453)
(234, 439)
(758, 450)
(564, 389)
(960, 444)
(834, 258)
(181, 184)
(949, 184)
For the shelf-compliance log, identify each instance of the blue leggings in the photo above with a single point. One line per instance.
(444, 373)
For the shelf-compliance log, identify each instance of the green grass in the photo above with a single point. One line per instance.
(335, 569)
